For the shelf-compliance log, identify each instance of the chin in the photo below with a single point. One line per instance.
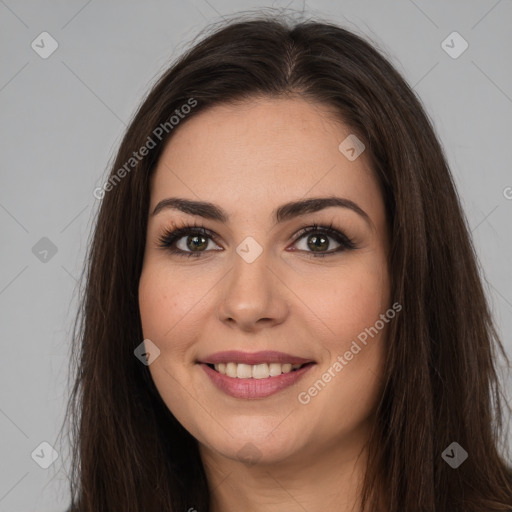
(257, 447)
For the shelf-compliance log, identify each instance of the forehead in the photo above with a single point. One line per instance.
(262, 152)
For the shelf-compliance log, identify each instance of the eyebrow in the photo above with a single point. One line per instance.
(284, 213)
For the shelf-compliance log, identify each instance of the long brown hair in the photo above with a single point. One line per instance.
(441, 383)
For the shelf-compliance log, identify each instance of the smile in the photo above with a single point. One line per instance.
(254, 375)
(256, 371)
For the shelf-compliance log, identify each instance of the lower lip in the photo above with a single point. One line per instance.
(254, 388)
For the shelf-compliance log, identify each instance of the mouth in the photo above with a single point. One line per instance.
(254, 375)
(255, 371)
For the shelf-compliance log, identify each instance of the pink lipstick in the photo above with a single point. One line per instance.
(254, 375)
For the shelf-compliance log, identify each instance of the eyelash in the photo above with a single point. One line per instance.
(169, 237)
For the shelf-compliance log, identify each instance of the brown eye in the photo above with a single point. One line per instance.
(196, 242)
(187, 241)
(318, 242)
(318, 239)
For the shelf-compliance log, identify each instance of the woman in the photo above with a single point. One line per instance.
(283, 309)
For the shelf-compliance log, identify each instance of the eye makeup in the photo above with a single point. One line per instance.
(170, 236)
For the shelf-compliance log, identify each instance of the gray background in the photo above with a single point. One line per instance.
(63, 117)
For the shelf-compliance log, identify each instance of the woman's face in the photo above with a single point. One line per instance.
(254, 284)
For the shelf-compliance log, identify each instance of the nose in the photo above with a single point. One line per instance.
(253, 297)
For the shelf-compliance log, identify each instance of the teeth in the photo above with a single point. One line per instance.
(256, 371)
(243, 371)
(260, 371)
(230, 370)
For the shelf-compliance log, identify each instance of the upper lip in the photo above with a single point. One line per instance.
(265, 356)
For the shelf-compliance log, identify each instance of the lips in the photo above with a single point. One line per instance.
(234, 379)
(254, 388)
(267, 356)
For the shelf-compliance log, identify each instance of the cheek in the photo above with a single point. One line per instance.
(167, 304)
(352, 309)
(350, 302)
(174, 306)
(346, 388)
(156, 308)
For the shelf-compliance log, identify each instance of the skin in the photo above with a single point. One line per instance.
(249, 159)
